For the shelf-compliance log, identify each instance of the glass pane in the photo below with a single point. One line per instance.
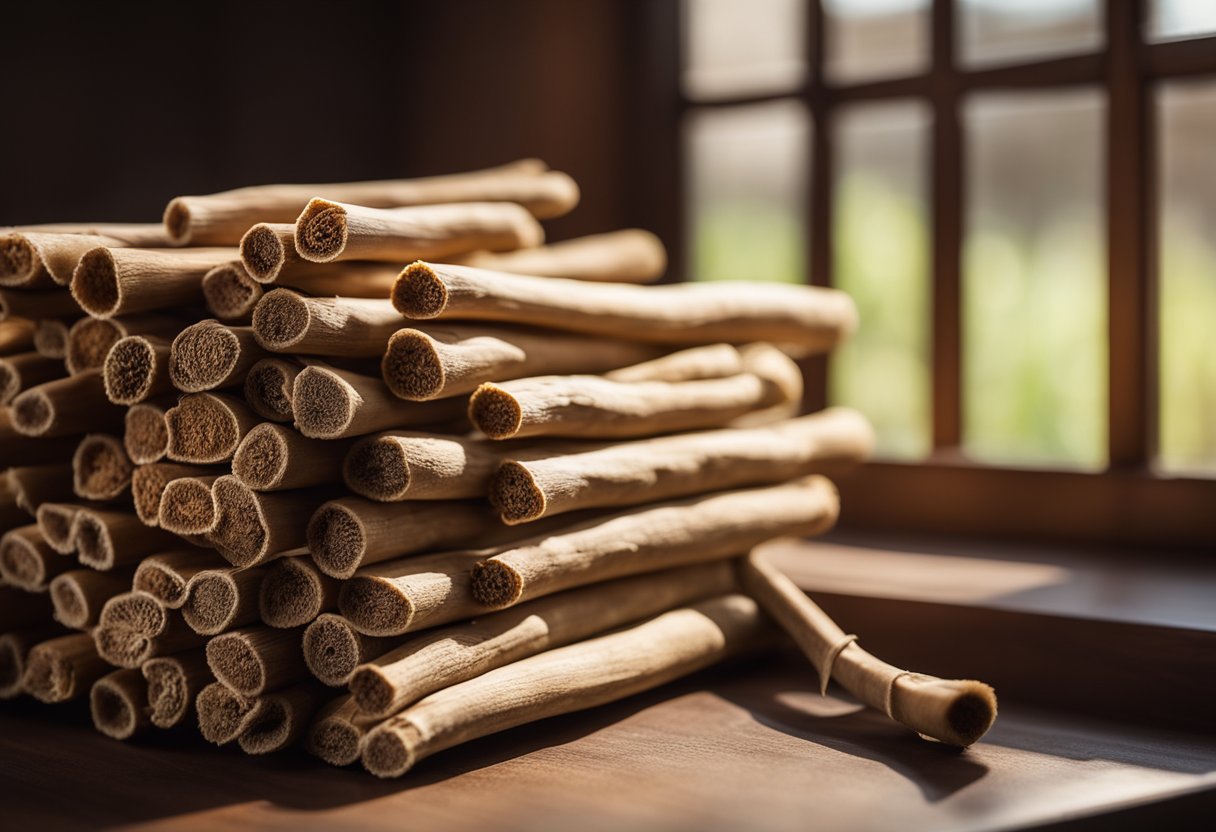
(1179, 19)
(1034, 279)
(1188, 276)
(737, 47)
(869, 39)
(882, 260)
(747, 186)
(1013, 31)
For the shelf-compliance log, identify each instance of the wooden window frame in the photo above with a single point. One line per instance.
(1128, 502)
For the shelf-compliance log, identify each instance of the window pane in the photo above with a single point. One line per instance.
(735, 47)
(1179, 19)
(869, 39)
(1013, 31)
(1188, 276)
(747, 187)
(882, 260)
(1034, 279)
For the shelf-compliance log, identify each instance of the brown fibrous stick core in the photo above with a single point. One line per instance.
(173, 682)
(333, 736)
(148, 484)
(515, 494)
(101, 469)
(63, 668)
(321, 231)
(222, 713)
(206, 427)
(131, 370)
(186, 505)
(166, 576)
(218, 599)
(56, 521)
(411, 366)
(268, 388)
(263, 250)
(118, 703)
(51, 338)
(333, 649)
(336, 539)
(89, 340)
(495, 412)
(95, 283)
(209, 354)
(254, 660)
(261, 458)
(230, 293)
(294, 592)
(146, 436)
(281, 319)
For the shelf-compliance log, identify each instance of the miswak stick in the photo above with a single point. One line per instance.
(79, 595)
(281, 718)
(91, 339)
(401, 596)
(276, 458)
(329, 403)
(230, 293)
(336, 731)
(137, 368)
(34, 485)
(401, 465)
(660, 536)
(627, 256)
(27, 562)
(21, 610)
(294, 592)
(118, 703)
(148, 483)
(810, 317)
(16, 450)
(267, 249)
(65, 406)
(63, 668)
(345, 278)
(187, 506)
(222, 713)
(15, 647)
(630, 473)
(51, 303)
(135, 627)
(166, 575)
(952, 711)
(24, 370)
(223, 218)
(57, 522)
(443, 361)
(207, 427)
(123, 281)
(333, 648)
(450, 655)
(255, 660)
(173, 684)
(209, 355)
(51, 337)
(39, 258)
(107, 538)
(101, 468)
(253, 527)
(145, 435)
(219, 599)
(268, 388)
(288, 322)
(18, 335)
(575, 677)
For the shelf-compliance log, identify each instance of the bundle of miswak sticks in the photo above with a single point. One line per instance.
(371, 470)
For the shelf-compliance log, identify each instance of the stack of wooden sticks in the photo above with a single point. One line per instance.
(252, 461)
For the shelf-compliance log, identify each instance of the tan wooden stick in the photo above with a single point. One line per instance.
(34, 485)
(24, 370)
(294, 592)
(118, 703)
(51, 337)
(329, 403)
(222, 218)
(281, 718)
(575, 677)
(40, 258)
(813, 318)
(268, 388)
(15, 647)
(135, 627)
(137, 368)
(445, 361)
(288, 322)
(166, 575)
(122, 281)
(18, 335)
(327, 231)
(257, 659)
(268, 250)
(106, 538)
(52, 303)
(450, 655)
(333, 648)
(65, 406)
(230, 293)
(209, 355)
(401, 465)
(953, 711)
(400, 596)
(691, 530)
(276, 458)
(207, 427)
(27, 562)
(16, 449)
(63, 668)
(219, 599)
(78, 595)
(148, 483)
(222, 713)
(628, 256)
(187, 506)
(145, 435)
(91, 339)
(173, 684)
(254, 527)
(336, 732)
(101, 468)
(57, 522)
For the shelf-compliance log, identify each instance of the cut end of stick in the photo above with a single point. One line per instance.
(135, 611)
(21, 564)
(147, 486)
(386, 753)
(495, 412)
(101, 469)
(222, 713)
(230, 293)
(515, 495)
(56, 521)
(95, 283)
(89, 341)
(261, 458)
(93, 545)
(496, 584)
(177, 221)
(337, 540)
(187, 507)
(376, 607)
(203, 356)
(212, 603)
(240, 530)
(321, 231)
(129, 370)
(18, 260)
(122, 647)
(378, 469)
(50, 673)
(968, 709)
(268, 388)
(168, 691)
(336, 741)
(323, 403)
(32, 413)
(290, 595)
(281, 320)
(51, 338)
(263, 252)
(412, 367)
(419, 293)
(116, 704)
(331, 649)
(270, 728)
(67, 597)
(201, 428)
(235, 661)
(372, 691)
(146, 434)
(160, 581)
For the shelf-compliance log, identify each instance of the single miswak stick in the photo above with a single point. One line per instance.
(630, 473)
(575, 677)
(254, 660)
(137, 368)
(675, 533)
(222, 713)
(275, 458)
(106, 539)
(223, 218)
(253, 527)
(209, 354)
(333, 648)
(25, 370)
(34, 485)
(449, 655)
(20, 303)
(15, 647)
(145, 435)
(449, 360)
(187, 506)
(65, 406)
(327, 231)
(285, 321)
(810, 317)
(16, 450)
(267, 249)
(294, 592)
(27, 562)
(207, 427)
(122, 281)
(400, 465)
(57, 522)
(51, 337)
(91, 339)
(63, 668)
(329, 403)
(268, 388)
(166, 575)
(173, 684)
(79, 595)
(40, 257)
(230, 292)
(282, 717)
(219, 599)
(347, 278)
(148, 483)
(101, 468)
(134, 627)
(336, 731)
(17, 336)
(401, 596)
(627, 256)
(953, 711)
(118, 703)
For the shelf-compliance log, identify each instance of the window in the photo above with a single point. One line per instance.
(1019, 195)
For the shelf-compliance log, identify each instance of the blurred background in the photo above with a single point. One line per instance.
(695, 119)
